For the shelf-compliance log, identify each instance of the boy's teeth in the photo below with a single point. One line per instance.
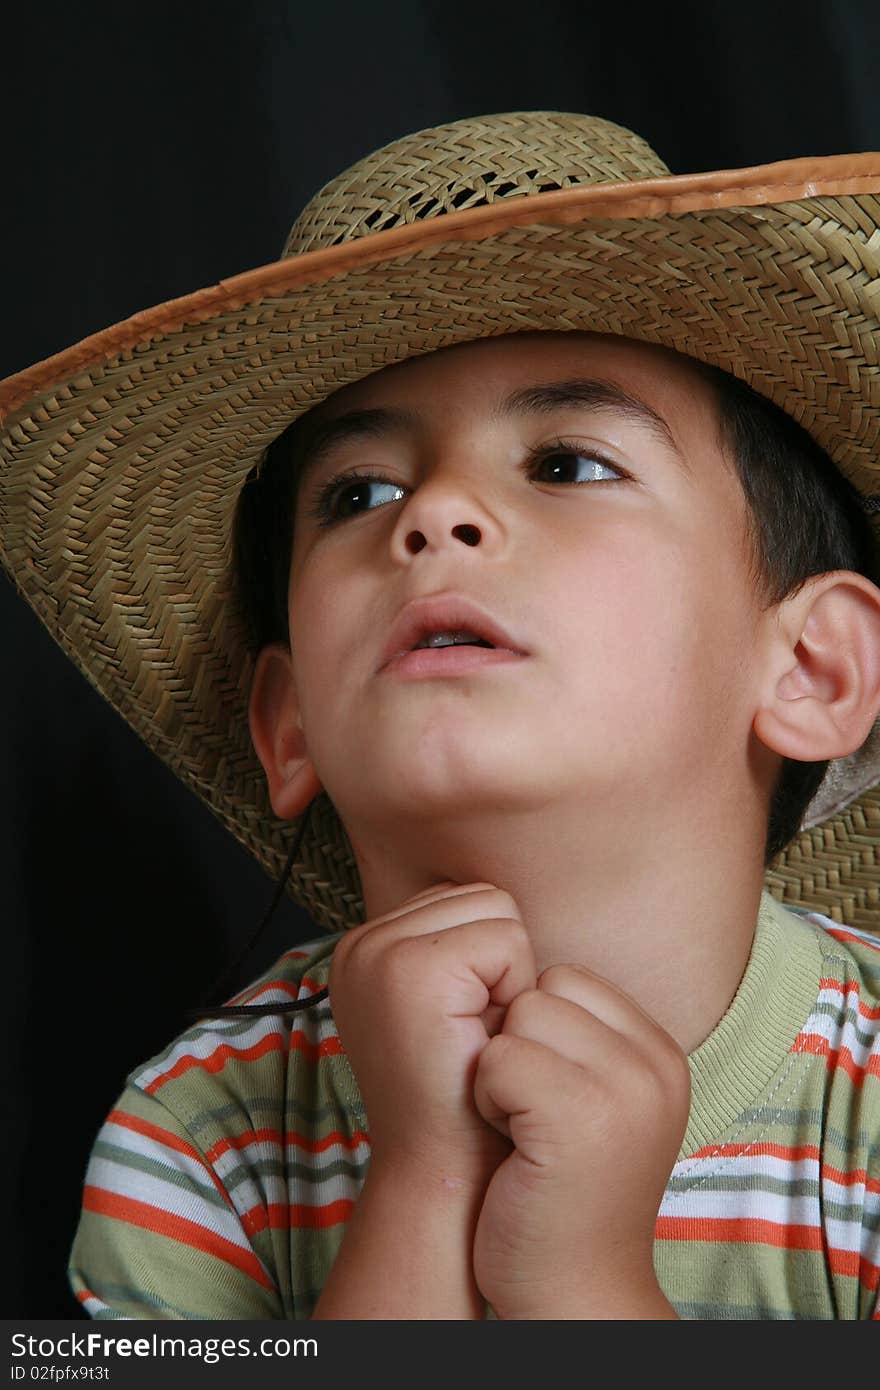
(448, 639)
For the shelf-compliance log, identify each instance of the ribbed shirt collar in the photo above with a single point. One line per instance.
(731, 1069)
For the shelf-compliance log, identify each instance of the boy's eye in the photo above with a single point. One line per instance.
(349, 493)
(564, 465)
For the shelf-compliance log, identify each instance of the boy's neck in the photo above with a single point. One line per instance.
(666, 911)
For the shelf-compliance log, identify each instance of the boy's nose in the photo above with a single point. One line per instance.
(468, 534)
(445, 512)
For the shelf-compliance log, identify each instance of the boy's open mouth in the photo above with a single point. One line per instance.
(452, 639)
(441, 622)
(454, 659)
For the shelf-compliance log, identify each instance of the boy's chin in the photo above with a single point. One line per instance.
(458, 799)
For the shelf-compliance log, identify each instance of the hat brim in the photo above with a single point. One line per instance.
(122, 457)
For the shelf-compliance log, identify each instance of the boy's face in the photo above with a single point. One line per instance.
(598, 522)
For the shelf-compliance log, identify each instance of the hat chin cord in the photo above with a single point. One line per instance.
(221, 986)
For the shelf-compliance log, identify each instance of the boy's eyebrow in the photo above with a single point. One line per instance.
(578, 392)
(354, 424)
(591, 394)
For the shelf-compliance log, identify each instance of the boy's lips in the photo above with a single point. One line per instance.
(446, 612)
(446, 661)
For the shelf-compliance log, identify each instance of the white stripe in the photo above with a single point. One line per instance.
(312, 1189)
(840, 1032)
(828, 924)
(249, 1191)
(749, 1205)
(849, 999)
(132, 1141)
(872, 1205)
(340, 1188)
(760, 1165)
(845, 1235)
(746, 1164)
(744, 1205)
(166, 1197)
(270, 1151)
(357, 1154)
(787, 1209)
(203, 1045)
(93, 1305)
(870, 1249)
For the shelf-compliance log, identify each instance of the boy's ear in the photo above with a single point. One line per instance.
(822, 688)
(276, 731)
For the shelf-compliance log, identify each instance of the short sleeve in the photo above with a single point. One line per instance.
(158, 1235)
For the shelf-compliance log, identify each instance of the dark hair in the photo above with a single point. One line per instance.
(804, 518)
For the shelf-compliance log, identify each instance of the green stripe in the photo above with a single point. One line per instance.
(154, 1168)
(292, 1172)
(849, 1019)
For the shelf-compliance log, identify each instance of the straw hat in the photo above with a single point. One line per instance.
(122, 457)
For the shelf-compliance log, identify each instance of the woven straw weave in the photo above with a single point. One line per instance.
(122, 458)
(411, 179)
(834, 868)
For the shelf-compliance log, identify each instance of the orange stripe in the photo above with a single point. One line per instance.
(869, 1274)
(841, 934)
(849, 1179)
(327, 1047)
(272, 1042)
(750, 1231)
(161, 1136)
(291, 1139)
(851, 987)
(167, 1141)
(297, 1216)
(288, 987)
(742, 1230)
(775, 1150)
(317, 1146)
(837, 1057)
(216, 1060)
(856, 1266)
(291, 990)
(163, 1223)
(311, 984)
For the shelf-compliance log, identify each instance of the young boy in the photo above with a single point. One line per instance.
(562, 626)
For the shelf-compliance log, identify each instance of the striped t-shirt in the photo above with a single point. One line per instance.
(220, 1184)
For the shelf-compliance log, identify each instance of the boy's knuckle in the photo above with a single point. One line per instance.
(341, 952)
(523, 1008)
(671, 1060)
(664, 1078)
(506, 904)
(556, 975)
(496, 1050)
(398, 961)
(518, 934)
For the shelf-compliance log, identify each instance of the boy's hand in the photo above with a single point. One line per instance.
(416, 994)
(595, 1097)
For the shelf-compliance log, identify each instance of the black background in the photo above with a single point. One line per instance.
(150, 149)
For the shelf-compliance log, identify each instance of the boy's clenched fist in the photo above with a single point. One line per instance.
(595, 1097)
(415, 995)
